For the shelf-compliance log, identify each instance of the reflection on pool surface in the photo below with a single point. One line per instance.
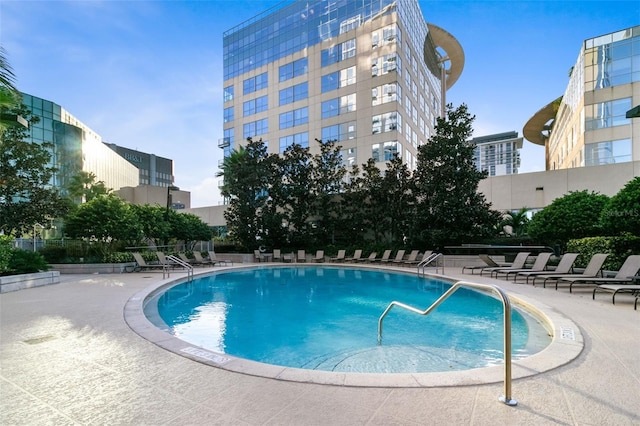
(325, 318)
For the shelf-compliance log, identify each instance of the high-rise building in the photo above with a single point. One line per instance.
(153, 170)
(370, 74)
(498, 154)
(588, 125)
(75, 147)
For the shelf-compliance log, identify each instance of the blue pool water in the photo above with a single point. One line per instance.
(326, 318)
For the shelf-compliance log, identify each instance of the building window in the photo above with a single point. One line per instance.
(607, 114)
(338, 52)
(349, 158)
(294, 118)
(255, 128)
(385, 122)
(387, 35)
(294, 93)
(612, 152)
(255, 106)
(253, 84)
(339, 132)
(301, 139)
(386, 93)
(228, 93)
(228, 114)
(338, 106)
(386, 64)
(293, 69)
(338, 79)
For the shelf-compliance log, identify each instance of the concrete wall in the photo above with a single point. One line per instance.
(537, 190)
(22, 281)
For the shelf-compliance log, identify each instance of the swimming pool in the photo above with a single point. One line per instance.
(325, 318)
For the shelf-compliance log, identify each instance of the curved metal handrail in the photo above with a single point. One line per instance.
(182, 263)
(506, 304)
(424, 262)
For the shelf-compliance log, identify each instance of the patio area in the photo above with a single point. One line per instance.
(67, 356)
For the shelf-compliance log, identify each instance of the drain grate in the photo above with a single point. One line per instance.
(37, 340)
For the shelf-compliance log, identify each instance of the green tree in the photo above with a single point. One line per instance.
(9, 95)
(327, 176)
(106, 221)
(26, 195)
(189, 228)
(397, 199)
(450, 209)
(517, 221)
(155, 227)
(371, 185)
(246, 175)
(622, 212)
(296, 173)
(84, 187)
(353, 213)
(572, 216)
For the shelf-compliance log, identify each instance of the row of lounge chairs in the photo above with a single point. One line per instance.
(413, 258)
(163, 262)
(626, 279)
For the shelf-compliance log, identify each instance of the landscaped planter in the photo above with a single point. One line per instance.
(93, 268)
(22, 281)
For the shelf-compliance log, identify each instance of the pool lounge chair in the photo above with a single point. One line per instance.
(319, 257)
(425, 256)
(185, 259)
(302, 256)
(634, 289)
(518, 263)
(340, 256)
(410, 259)
(143, 265)
(592, 270)
(564, 267)
(489, 263)
(538, 265)
(385, 257)
(258, 256)
(357, 255)
(370, 259)
(211, 258)
(399, 257)
(629, 268)
(277, 255)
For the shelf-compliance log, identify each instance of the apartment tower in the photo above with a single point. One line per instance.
(370, 74)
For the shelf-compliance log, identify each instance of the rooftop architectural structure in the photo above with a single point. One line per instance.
(153, 170)
(371, 75)
(498, 154)
(588, 125)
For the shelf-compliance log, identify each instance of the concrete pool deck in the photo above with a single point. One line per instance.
(67, 356)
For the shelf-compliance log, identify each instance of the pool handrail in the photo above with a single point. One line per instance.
(506, 304)
(425, 262)
(182, 263)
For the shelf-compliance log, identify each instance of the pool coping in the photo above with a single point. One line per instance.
(566, 345)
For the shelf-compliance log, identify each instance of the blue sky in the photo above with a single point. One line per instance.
(148, 74)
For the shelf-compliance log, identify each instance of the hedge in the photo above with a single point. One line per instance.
(618, 248)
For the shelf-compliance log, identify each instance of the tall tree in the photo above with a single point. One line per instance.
(327, 175)
(84, 187)
(246, 175)
(398, 200)
(451, 210)
(296, 194)
(26, 195)
(9, 94)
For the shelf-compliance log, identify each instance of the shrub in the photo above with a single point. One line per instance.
(5, 253)
(26, 262)
(622, 212)
(618, 248)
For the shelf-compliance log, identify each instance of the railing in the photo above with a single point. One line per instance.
(182, 263)
(424, 263)
(506, 304)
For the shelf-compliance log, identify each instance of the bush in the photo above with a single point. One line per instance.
(54, 254)
(622, 212)
(618, 248)
(5, 253)
(26, 262)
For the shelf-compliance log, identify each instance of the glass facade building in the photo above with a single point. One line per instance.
(367, 74)
(75, 147)
(152, 170)
(498, 154)
(589, 127)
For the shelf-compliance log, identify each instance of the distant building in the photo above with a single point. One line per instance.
(370, 74)
(498, 154)
(75, 147)
(588, 125)
(153, 170)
